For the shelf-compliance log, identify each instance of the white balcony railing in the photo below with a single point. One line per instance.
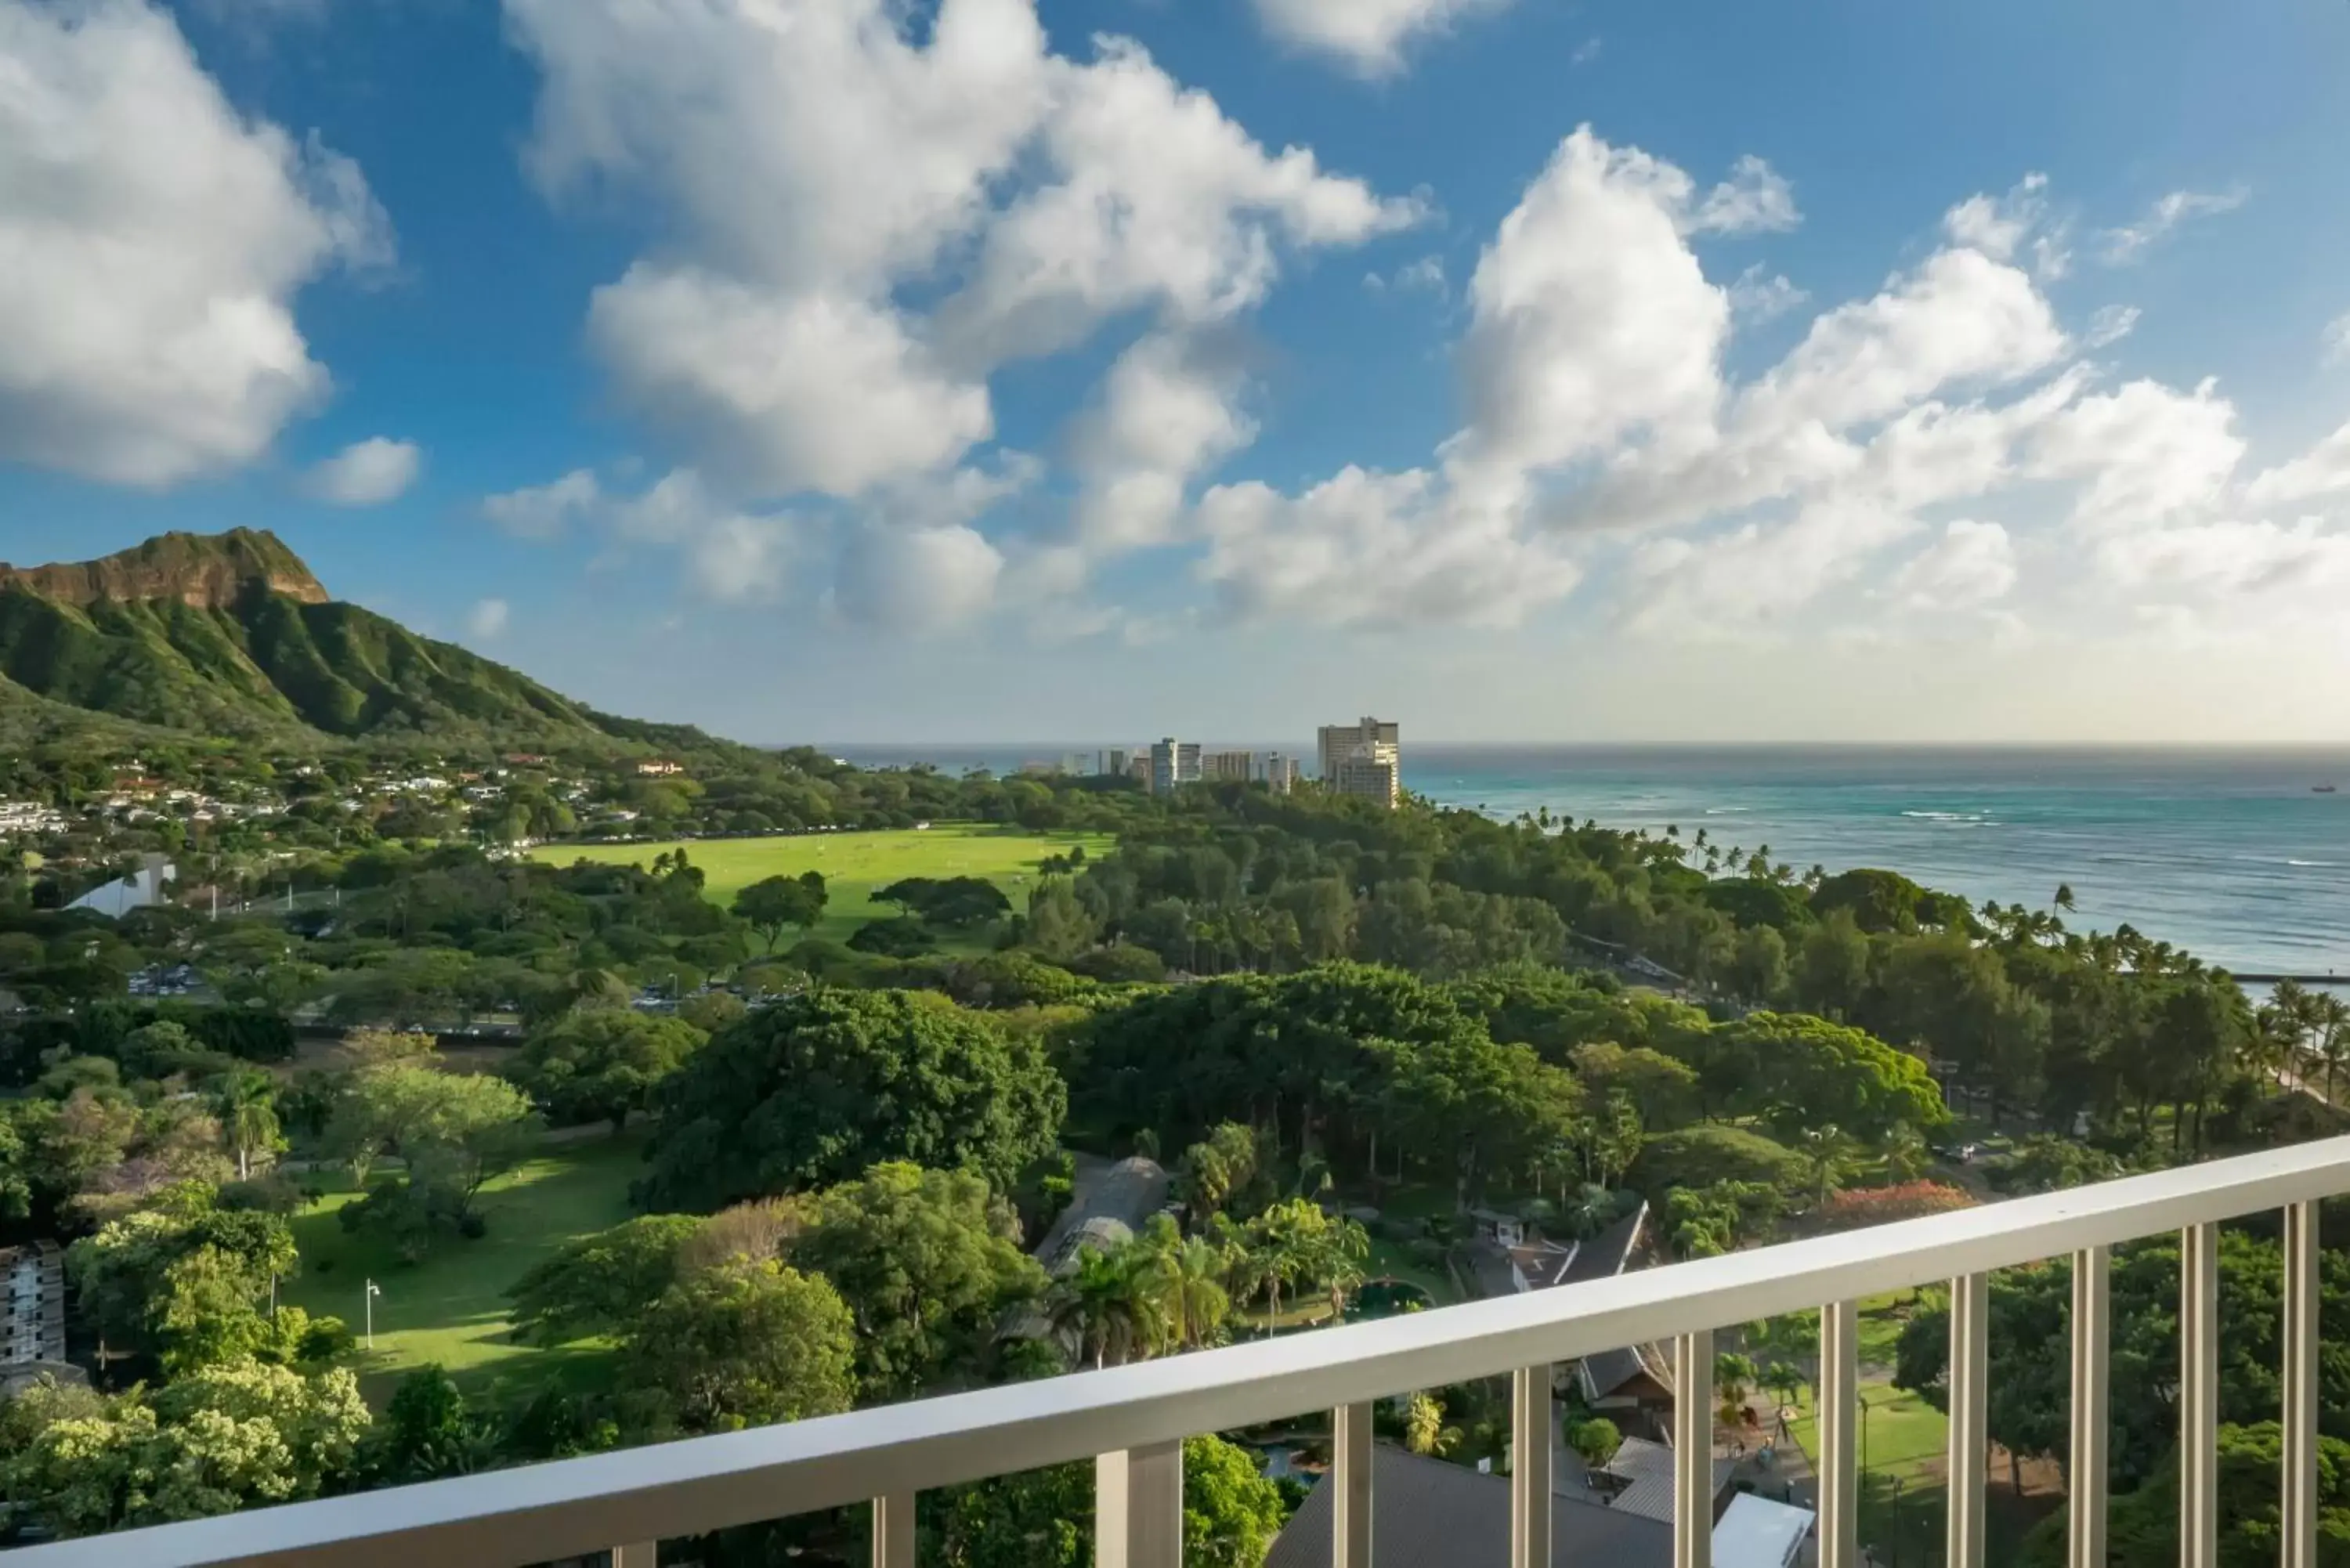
(1133, 1419)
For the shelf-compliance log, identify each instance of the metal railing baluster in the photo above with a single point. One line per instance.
(1138, 1508)
(893, 1530)
(1530, 1461)
(581, 1507)
(2085, 1468)
(2301, 1308)
(1693, 1451)
(1969, 1391)
(1350, 1487)
(1839, 1412)
(2199, 1396)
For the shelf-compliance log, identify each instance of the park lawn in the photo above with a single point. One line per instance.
(1389, 1261)
(856, 864)
(452, 1307)
(1904, 1432)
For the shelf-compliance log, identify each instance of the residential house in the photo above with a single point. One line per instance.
(1631, 1384)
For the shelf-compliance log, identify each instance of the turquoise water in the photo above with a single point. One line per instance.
(2228, 854)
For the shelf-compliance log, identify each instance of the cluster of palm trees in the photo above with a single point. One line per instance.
(2305, 1032)
(1162, 1292)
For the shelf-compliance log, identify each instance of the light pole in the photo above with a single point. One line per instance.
(373, 1291)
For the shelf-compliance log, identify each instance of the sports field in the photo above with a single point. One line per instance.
(855, 864)
(452, 1307)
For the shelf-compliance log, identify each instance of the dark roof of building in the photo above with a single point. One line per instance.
(1489, 1265)
(1427, 1513)
(1643, 1472)
(1543, 1264)
(1113, 1204)
(1606, 1371)
(1604, 1255)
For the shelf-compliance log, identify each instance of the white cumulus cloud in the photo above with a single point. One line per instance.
(728, 555)
(1970, 565)
(1755, 198)
(2130, 242)
(367, 472)
(1757, 296)
(919, 580)
(542, 512)
(2333, 343)
(812, 160)
(2324, 470)
(1366, 37)
(154, 239)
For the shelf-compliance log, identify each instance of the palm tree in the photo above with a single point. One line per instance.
(1424, 1431)
(1264, 1267)
(1588, 1212)
(2333, 1032)
(1099, 1306)
(1827, 1149)
(246, 1102)
(1338, 1264)
(2063, 899)
(1178, 1276)
(1733, 1379)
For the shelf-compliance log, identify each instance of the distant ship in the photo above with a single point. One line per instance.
(2321, 789)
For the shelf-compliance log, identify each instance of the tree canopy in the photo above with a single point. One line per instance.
(818, 1088)
(929, 1263)
(601, 1065)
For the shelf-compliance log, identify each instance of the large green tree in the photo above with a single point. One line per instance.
(742, 1345)
(602, 1284)
(2030, 1318)
(183, 1282)
(453, 1132)
(602, 1065)
(778, 904)
(929, 1263)
(2142, 1526)
(233, 1436)
(1797, 1071)
(818, 1088)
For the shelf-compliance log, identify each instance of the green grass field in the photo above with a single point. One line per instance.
(452, 1307)
(855, 864)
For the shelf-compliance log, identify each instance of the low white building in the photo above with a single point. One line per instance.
(142, 889)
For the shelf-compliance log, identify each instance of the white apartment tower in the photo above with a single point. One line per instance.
(1364, 760)
(1173, 763)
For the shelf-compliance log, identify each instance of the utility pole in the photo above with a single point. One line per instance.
(373, 1291)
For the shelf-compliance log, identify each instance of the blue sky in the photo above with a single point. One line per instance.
(844, 371)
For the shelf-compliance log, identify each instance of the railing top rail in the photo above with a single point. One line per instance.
(573, 1507)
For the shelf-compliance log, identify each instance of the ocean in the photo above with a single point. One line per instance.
(2232, 855)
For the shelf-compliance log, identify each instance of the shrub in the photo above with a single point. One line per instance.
(1861, 1207)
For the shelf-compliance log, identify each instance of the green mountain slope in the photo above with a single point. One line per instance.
(229, 634)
